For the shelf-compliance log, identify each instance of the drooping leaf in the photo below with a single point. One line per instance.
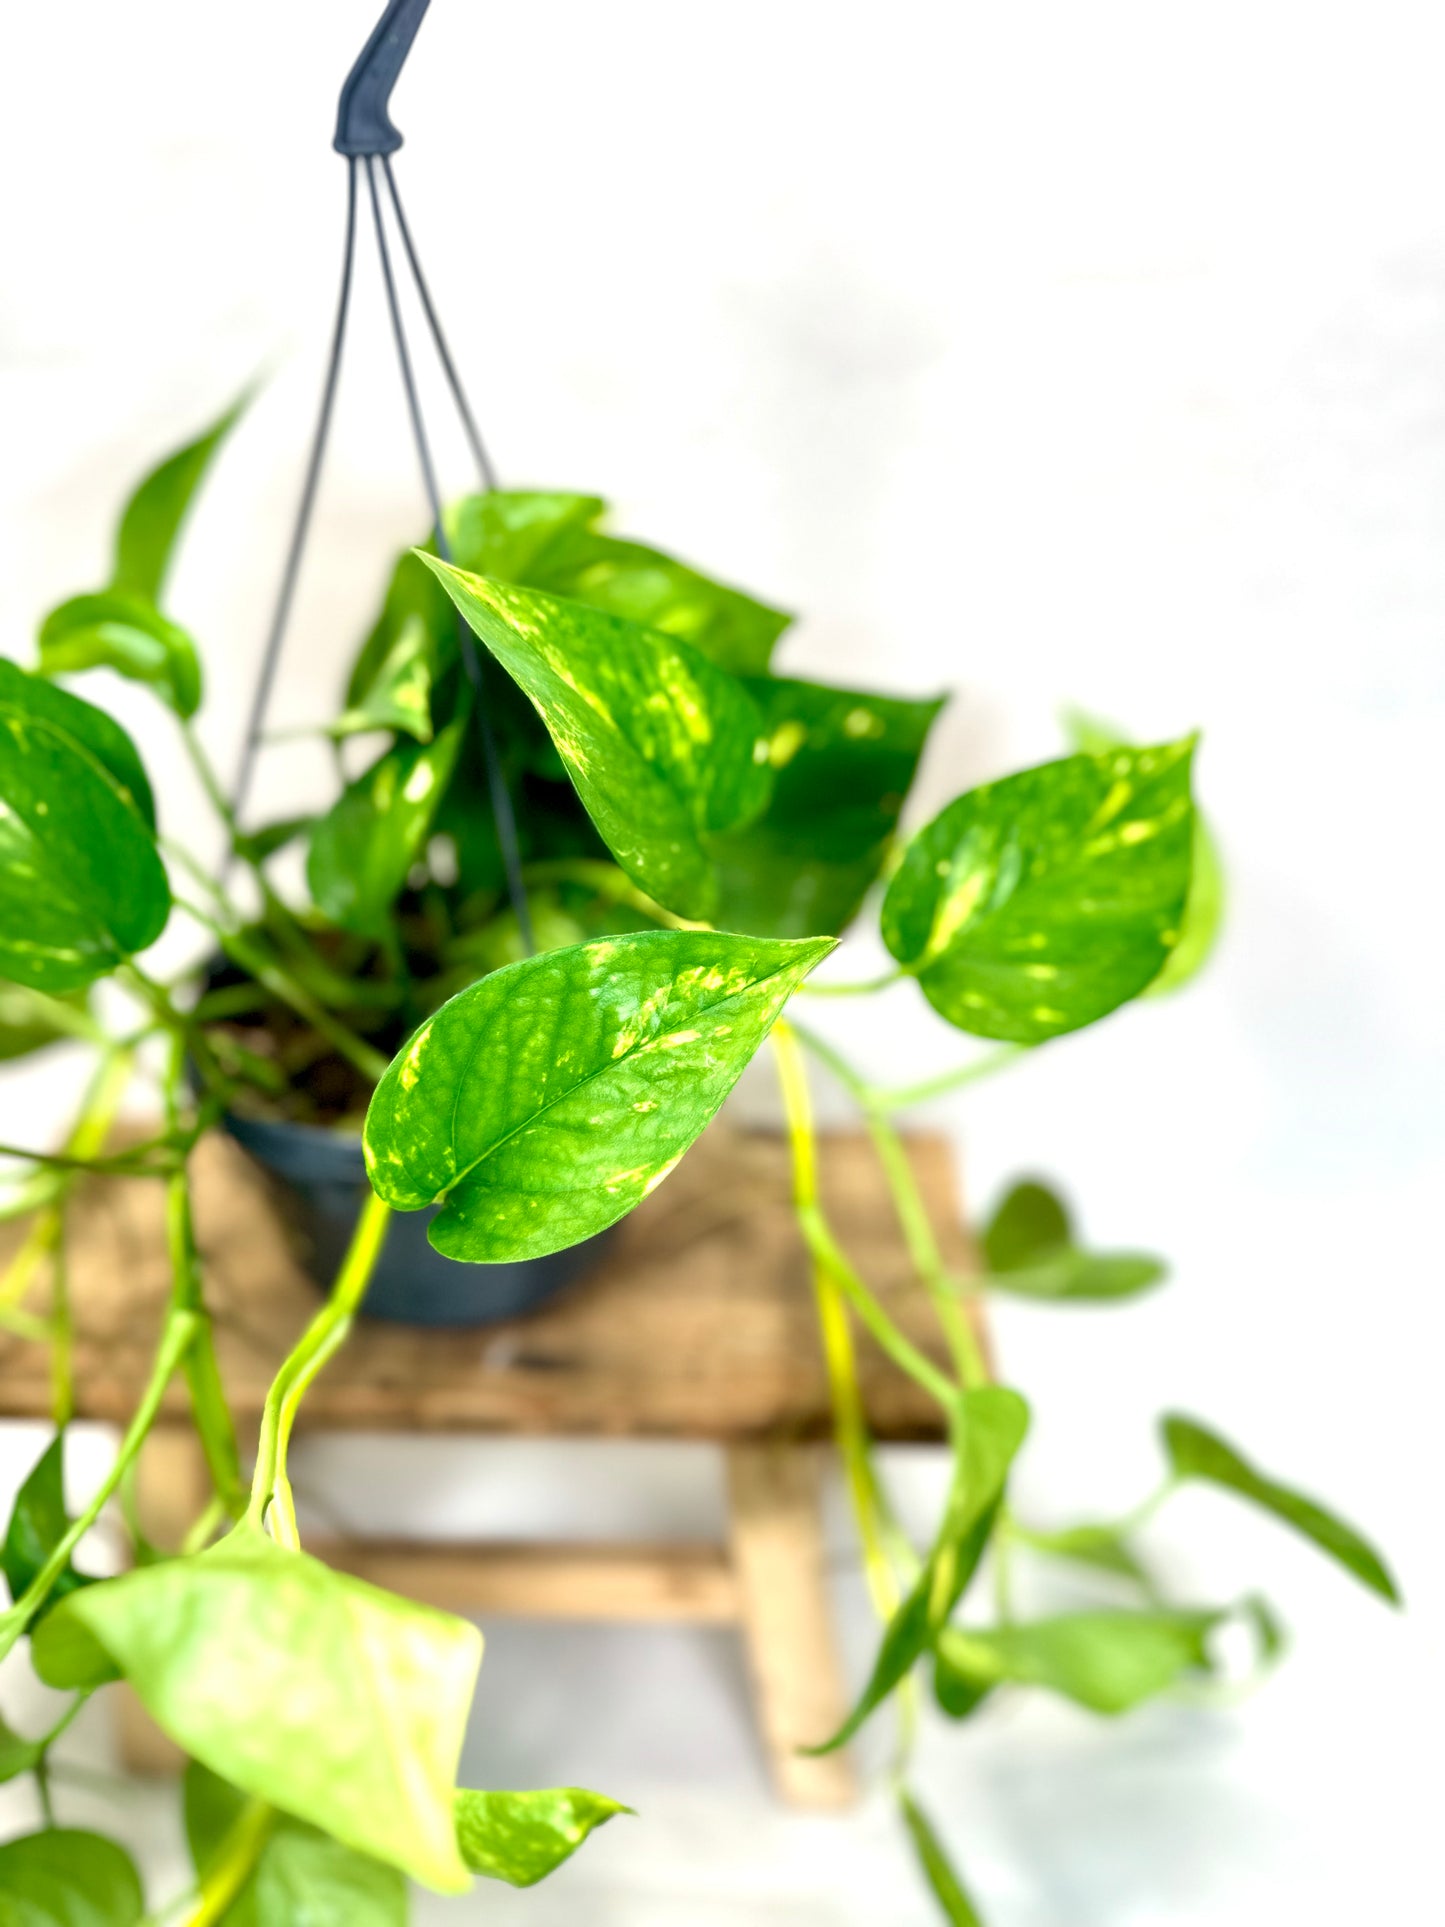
(1194, 1452)
(341, 1704)
(942, 1877)
(399, 694)
(65, 1878)
(1040, 903)
(1106, 1661)
(362, 849)
(644, 585)
(1091, 1545)
(302, 1877)
(663, 746)
(1030, 1251)
(842, 761)
(522, 1837)
(38, 1523)
(1204, 912)
(107, 742)
(153, 516)
(124, 633)
(988, 1432)
(81, 885)
(271, 837)
(543, 1103)
(17, 1754)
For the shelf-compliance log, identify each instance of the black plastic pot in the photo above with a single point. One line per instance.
(319, 1177)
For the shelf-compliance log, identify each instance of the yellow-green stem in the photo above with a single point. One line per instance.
(327, 1330)
(234, 1863)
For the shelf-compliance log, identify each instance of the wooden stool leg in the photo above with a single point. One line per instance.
(172, 1487)
(777, 1544)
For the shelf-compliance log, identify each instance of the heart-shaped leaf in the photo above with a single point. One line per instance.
(540, 1105)
(301, 1878)
(111, 630)
(1099, 1546)
(1106, 1661)
(942, 1877)
(362, 849)
(1194, 1452)
(38, 1523)
(1204, 912)
(152, 517)
(65, 1878)
(663, 747)
(339, 1703)
(1030, 1252)
(81, 885)
(89, 726)
(843, 761)
(1040, 903)
(522, 1837)
(988, 1432)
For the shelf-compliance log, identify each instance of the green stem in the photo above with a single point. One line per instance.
(177, 1335)
(326, 1332)
(826, 1250)
(918, 1233)
(209, 1409)
(903, 1096)
(242, 950)
(863, 989)
(62, 1340)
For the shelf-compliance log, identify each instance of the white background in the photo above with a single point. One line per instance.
(1042, 353)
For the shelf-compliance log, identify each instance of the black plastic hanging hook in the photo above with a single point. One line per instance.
(363, 125)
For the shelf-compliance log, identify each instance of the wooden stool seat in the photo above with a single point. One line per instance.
(698, 1323)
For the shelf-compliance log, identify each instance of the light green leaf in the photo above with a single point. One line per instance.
(122, 632)
(91, 728)
(153, 516)
(988, 1431)
(1089, 1545)
(38, 1523)
(65, 1878)
(339, 1703)
(1106, 1661)
(663, 746)
(362, 849)
(1030, 1252)
(543, 1103)
(399, 694)
(1194, 1452)
(302, 1878)
(522, 1837)
(81, 885)
(944, 1883)
(1204, 912)
(31, 1021)
(17, 1754)
(843, 761)
(1040, 903)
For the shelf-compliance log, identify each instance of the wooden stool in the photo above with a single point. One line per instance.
(698, 1324)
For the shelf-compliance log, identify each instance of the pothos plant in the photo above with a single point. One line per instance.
(695, 832)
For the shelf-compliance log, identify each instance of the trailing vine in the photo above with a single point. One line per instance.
(694, 833)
